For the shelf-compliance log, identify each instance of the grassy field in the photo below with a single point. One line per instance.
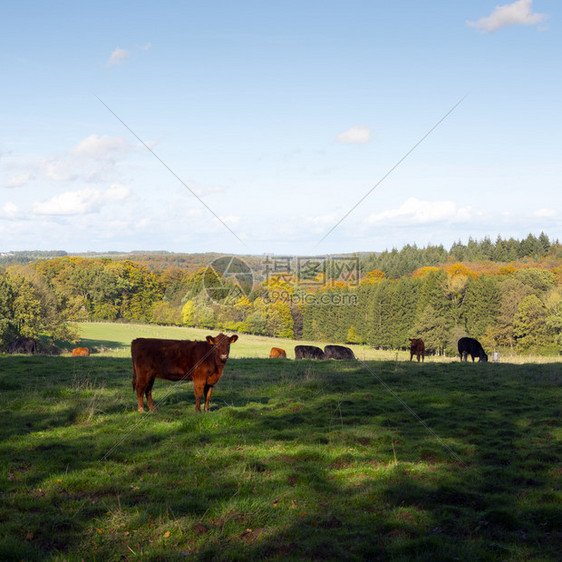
(114, 340)
(310, 460)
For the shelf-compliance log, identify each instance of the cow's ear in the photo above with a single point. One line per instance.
(211, 340)
(233, 338)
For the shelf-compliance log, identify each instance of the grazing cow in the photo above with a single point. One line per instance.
(80, 352)
(470, 346)
(338, 352)
(23, 345)
(179, 360)
(417, 348)
(308, 352)
(277, 352)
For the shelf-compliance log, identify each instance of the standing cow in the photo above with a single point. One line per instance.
(179, 360)
(338, 352)
(417, 348)
(308, 352)
(472, 347)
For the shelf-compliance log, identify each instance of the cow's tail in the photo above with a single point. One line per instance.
(134, 378)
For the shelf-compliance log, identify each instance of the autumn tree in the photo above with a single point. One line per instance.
(7, 324)
(480, 305)
(554, 319)
(435, 329)
(538, 279)
(529, 325)
(512, 292)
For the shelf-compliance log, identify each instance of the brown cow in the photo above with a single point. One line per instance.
(277, 352)
(179, 360)
(80, 352)
(417, 348)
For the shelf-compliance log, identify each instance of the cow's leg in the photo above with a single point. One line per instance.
(149, 395)
(207, 393)
(140, 397)
(423, 356)
(411, 355)
(418, 356)
(198, 389)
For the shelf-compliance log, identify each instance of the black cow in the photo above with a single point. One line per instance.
(472, 347)
(338, 352)
(23, 345)
(308, 352)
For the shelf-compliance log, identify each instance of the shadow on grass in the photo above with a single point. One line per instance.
(294, 461)
(98, 345)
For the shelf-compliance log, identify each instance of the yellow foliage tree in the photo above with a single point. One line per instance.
(423, 272)
(372, 277)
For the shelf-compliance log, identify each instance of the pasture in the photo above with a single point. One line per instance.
(308, 460)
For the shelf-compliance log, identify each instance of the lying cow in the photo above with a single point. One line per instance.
(308, 352)
(472, 347)
(338, 352)
(179, 360)
(80, 352)
(277, 352)
(417, 348)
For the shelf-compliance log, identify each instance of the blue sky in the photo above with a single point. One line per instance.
(278, 118)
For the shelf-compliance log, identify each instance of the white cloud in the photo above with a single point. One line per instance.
(104, 147)
(80, 202)
(17, 180)
(324, 219)
(118, 56)
(230, 219)
(56, 169)
(202, 191)
(8, 211)
(517, 13)
(546, 213)
(355, 135)
(90, 160)
(117, 192)
(422, 212)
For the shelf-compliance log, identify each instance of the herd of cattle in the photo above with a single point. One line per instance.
(466, 347)
(203, 361)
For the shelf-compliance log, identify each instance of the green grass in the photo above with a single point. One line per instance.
(299, 460)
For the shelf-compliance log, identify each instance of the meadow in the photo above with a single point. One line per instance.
(376, 459)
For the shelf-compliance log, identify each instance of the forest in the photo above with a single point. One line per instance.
(506, 293)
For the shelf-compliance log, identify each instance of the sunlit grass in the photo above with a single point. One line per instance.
(296, 460)
(114, 340)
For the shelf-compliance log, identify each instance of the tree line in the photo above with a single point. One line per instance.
(508, 294)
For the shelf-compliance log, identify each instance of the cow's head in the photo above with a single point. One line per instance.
(221, 343)
(483, 357)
